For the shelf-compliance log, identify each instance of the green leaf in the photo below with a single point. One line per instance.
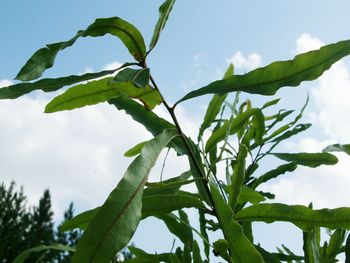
(232, 127)
(242, 250)
(289, 167)
(203, 231)
(249, 195)
(214, 106)
(81, 220)
(267, 256)
(220, 249)
(157, 205)
(25, 254)
(335, 243)
(267, 80)
(338, 148)
(196, 253)
(259, 127)
(139, 77)
(237, 179)
(310, 246)
(347, 250)
(164, 11)
(297, 129)
(270, 103)
(44, 58)
(142, 256)
(299, 215)
(308, 159)
(100, 91)
(48, 85)
(135, 150)
(183, 232)
(117, 219)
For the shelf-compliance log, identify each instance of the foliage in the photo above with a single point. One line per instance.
(234, 134)
(23, 227)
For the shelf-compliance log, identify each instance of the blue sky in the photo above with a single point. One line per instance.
(199, 40)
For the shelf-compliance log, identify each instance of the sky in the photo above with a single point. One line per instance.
(78, 154)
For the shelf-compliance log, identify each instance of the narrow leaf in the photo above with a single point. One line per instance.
(267, 80)
(238, 177)
(270, 103)
(338, 148)
(179, 229)
(79, 221)
(115, 223)
(163, 204)
(299, 215)
(164, 11)
(249, 195)
(135, 150)
(289, 167)
(308, 159)
(25, 254)
(335, 243)
(100, 91)
(297, 129)
(48, 85)
(44, 58)
(231, 127)
(242, 250)
(214, 106)
(196, 253)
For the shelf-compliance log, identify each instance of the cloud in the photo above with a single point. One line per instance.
(307, 43)
(77, 154)
(5, 83)
(326, 186)
(112, 65)
(249, 62)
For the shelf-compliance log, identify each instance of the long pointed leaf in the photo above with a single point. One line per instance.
(267, 80)
(338, 148)
(242, 250)
(25, 254)
(164, 11)
(116, 221)
(308, 159)
(299, 215)
(44, 58)
(214, 106)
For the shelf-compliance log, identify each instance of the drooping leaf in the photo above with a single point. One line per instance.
(115, 222)
(179, 229)
(299, 215)
(135, 150)
(25, 254)
(48, 85)
(44, 58)
(308, 159)
(214, 106)
(237, 179)
(203, 231)
(164, 11)
(232, 127)
(101, 91)
(241, 249)
(297, 129)
(338, 148)
(267, 80)
(259, 127)
(156, 205)
(289, 167)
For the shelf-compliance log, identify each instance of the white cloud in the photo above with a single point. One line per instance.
(77, 154)
(325, 186)
(112, 65)
(307, 43)
(5, 83)
(249, 62)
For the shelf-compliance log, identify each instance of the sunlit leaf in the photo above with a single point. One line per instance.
(135, 150)
(270, 103)
(116, 220)
(44, 58)
(299, 215)
(308, 159)
(48, 85)
(267, 80)
(241, 249)
(21, 258)
(249, 195)
(164, 11)
(335, 243)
